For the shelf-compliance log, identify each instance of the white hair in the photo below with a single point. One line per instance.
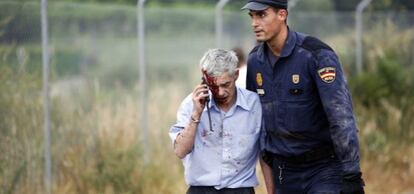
(218, 61)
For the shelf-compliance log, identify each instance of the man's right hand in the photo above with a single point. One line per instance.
(200, 93)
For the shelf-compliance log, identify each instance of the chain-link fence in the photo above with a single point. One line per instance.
(94, 84)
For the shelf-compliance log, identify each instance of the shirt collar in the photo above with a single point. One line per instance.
(289, 44)
(241, 99)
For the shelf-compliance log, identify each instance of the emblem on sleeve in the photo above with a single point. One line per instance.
(327, 74)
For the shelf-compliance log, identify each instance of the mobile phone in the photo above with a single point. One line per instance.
(206, 100)
(204, 81)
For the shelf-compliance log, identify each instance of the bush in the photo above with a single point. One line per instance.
(20, 129)
(390, 80)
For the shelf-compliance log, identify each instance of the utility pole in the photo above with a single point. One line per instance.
(46, 103)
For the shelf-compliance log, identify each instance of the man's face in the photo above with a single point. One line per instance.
(267, 23)
(224, 89)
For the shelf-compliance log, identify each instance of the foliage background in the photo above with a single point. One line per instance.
(96, 144)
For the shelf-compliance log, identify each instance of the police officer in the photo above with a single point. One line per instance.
(310, 141)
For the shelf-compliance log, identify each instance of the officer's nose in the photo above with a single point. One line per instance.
(255, 23)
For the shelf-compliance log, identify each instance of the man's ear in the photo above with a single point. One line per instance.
(282, 14)
(236, 74)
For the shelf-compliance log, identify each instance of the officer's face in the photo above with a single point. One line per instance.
(268, 23)
(226, 89)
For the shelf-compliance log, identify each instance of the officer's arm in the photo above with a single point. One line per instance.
(249, 80)
(266, 169)
(268, 176)
(337, 104)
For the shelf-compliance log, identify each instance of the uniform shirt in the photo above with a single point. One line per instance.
(305, 100)
(225, 157)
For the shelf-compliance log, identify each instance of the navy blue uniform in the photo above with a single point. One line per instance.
(306, 106)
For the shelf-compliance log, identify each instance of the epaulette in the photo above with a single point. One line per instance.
(313, 44)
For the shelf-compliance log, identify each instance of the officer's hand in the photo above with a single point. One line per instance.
(353, 184)
(199, 96)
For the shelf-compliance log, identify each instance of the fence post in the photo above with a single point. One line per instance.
(46, 104)
(219, 22)
(142, 105)
(358, 33)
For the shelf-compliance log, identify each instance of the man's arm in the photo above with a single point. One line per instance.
(185, 139)
(184, 142)
(268, 176)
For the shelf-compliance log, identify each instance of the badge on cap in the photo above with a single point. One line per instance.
(327, 74)
(295, 78)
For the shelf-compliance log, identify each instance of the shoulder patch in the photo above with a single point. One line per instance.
(313, 44)
(327, 74)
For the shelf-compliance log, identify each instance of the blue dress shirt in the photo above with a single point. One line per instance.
(225, 157)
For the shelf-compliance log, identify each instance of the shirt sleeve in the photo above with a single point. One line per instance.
(257, 114)
(337, 104)
(183, 118)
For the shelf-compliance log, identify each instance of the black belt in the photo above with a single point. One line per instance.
(307, 157)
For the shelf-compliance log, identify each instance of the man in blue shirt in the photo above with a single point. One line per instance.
(310, 139)
(218, 139)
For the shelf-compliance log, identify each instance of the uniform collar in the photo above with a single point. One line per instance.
(287, 48)
(289, 44)
(240, 101)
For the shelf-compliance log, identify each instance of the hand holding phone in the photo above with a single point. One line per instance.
(206, 99)
(200, 98)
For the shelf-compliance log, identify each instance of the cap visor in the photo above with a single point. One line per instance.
(255, 6)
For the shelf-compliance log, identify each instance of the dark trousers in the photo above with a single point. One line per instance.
(321, 177)
(212, 190)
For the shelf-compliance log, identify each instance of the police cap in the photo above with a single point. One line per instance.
(259, 5)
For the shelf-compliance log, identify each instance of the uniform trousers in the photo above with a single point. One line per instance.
(319, 177)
